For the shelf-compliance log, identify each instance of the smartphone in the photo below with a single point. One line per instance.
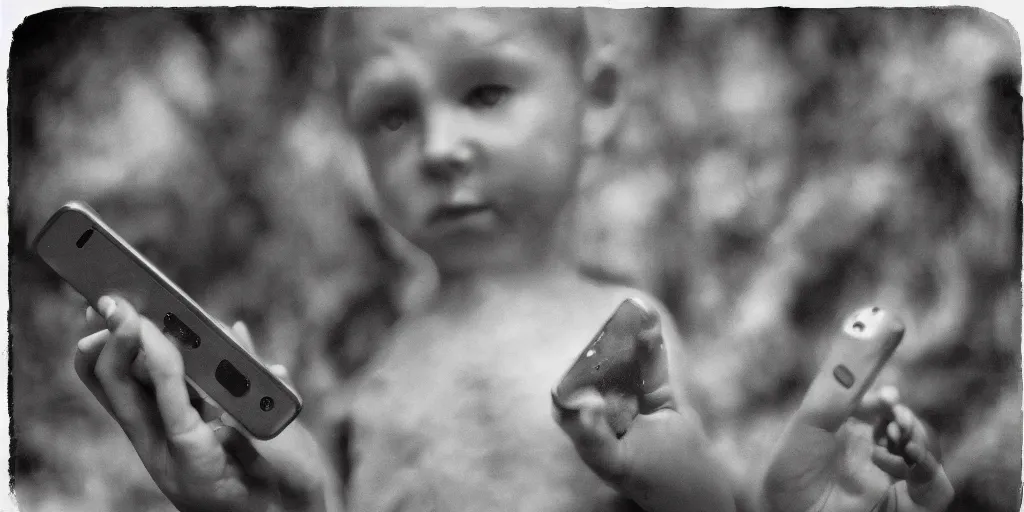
(611, 361)
(95, 261)
(866, 341)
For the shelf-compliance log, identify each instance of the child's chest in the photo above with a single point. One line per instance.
(459, 418)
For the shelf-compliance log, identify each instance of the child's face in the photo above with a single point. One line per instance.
(470, 122)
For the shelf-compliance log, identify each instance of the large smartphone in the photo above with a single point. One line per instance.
(93, 259)
(611, 362)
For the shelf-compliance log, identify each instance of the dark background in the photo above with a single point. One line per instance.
(777, 169)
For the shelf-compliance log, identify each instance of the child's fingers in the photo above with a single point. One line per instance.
(299, 478)
(651, 345)
(281, 372)
(568, 410)
(927, 483)
(589, 406)
(877, 405)
(93, 319)
(649, 336)
(890, 395)
(128, 401)
(139, 371)
(584, 420)
(620, 411)
(207, 410)
(93, 343)
(88, 351)
(166, 369)
(292, 484)
(657, 392)
(243, 337)
(894, 432)
(915, 430)
(908, 423)
(241, 448)
(595, 441)
(870, 407)
(889, 462)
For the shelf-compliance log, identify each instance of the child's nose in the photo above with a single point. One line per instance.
(447, 149)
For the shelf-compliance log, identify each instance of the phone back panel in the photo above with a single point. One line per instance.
(96, 262)
(608, 363)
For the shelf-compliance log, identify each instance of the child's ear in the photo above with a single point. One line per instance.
(605, 101)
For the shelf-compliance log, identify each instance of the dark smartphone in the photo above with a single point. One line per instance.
(612, 361)
(93, 259)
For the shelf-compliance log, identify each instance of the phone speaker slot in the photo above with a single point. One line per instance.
(84, 238)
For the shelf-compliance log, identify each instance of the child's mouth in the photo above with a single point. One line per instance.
(462, 216)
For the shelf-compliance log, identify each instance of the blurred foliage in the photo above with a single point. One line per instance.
(777, 168)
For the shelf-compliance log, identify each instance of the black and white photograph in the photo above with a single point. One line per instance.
(515, 259)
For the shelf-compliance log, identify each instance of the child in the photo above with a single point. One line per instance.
(473, 124)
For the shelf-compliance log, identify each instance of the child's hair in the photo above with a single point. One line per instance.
(565, 29)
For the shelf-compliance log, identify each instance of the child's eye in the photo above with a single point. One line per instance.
(393, 119)
(489, 95)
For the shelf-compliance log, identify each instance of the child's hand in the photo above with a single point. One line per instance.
(883, 459)
(198, 462)
(648, 447)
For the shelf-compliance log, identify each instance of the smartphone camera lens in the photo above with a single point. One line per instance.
(179, 331)
(266, 403)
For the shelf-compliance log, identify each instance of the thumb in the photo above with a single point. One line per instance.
(584, 419)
